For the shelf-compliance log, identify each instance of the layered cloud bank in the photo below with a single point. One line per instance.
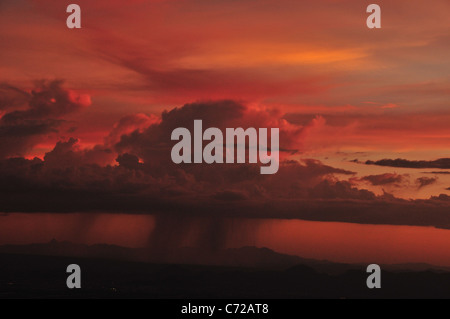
(132, 170)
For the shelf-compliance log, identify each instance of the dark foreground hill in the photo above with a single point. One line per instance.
(248, 257)
(33, 276)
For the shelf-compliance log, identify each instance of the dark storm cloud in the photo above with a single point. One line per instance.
(442, 163)
(67, 154)
(129, 161)
(48, 100)
(21, 129)
(21, 136)
(153, 144)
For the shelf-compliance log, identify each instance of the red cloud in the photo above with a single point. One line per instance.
(48, 104)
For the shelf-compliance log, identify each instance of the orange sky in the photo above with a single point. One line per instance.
(341, 94)
(373, 94)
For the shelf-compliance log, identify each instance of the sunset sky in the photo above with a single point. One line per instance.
(86, 114)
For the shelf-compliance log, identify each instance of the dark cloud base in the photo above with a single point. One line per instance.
(433, 212)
